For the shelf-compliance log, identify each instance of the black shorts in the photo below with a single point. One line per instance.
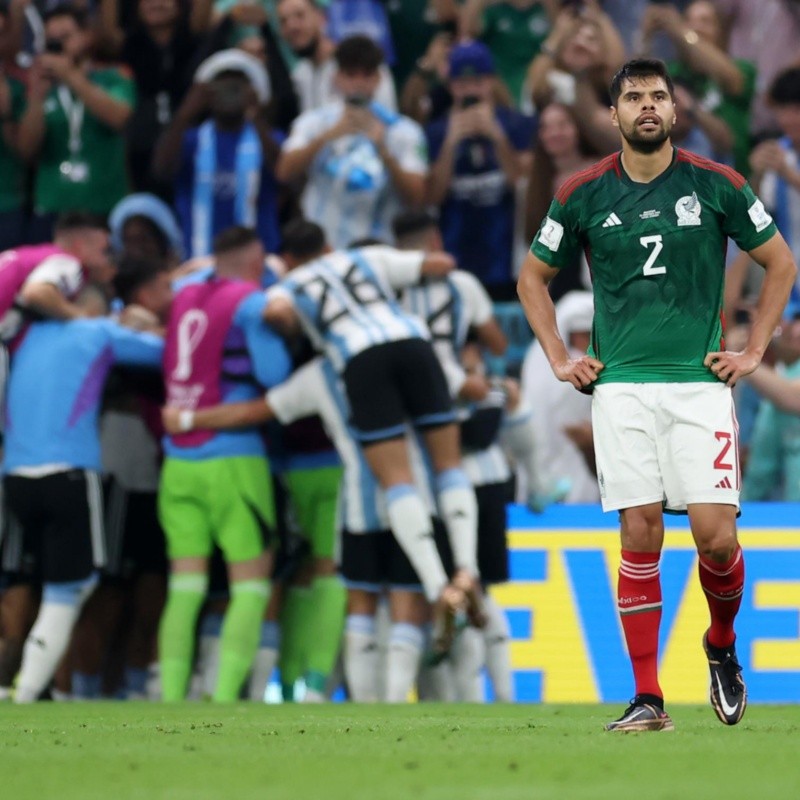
(375, 561)
(390, 385)
(134, 537)
(493, 499)
(59, 521)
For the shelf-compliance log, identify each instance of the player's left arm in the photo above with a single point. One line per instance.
(481, 313)
(781, 391)
(781, 271)
(280, 311)
(135, 348)
(270, 358)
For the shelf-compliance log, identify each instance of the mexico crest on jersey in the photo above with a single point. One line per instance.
(688, 209)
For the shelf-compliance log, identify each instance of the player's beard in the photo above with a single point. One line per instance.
(646, 144)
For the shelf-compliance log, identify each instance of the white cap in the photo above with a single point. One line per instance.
(235, 60)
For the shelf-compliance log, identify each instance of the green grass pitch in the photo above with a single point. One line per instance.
(117, 751)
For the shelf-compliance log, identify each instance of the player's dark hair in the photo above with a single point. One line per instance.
(367, 241)
(133, 273)
(303, 239)
(72, 221)
(636, 70)
(409, 223)
(67, 10)
(358, 54)
(234, 238)
(785, 89)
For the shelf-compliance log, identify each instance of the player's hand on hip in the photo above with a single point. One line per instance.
(730, 366)
(580, 372)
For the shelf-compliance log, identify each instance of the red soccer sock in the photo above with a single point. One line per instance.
(723, 585)
(639, 603)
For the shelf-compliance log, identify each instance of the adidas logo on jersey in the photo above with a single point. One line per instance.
(725, 483)
(612, 220)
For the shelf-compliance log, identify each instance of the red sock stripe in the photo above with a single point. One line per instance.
(737, 593)
(721, 570)
(639, 566)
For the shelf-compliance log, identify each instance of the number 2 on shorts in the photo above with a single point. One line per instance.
(725, 438)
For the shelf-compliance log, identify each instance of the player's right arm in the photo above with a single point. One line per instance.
(541, 314)
(224, 416)
(295, 398)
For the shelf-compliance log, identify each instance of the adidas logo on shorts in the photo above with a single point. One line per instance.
(725, 483)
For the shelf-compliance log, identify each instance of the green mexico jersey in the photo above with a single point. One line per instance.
(657, 255)
(101, 154)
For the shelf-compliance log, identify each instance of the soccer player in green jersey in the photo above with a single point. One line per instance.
(654, 221)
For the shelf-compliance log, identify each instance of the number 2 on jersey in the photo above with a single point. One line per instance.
(657, 245)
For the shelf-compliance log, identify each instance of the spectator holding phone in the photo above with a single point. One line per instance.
(303, 26)
(362, 162)
(73, 126)
(161, 45)
(514, 31)
(723, 85)
(574, 67)
(223, 168)
(478, 151)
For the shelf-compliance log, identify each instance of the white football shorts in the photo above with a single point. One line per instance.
(671, 443)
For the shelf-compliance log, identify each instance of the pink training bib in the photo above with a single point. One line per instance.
(200, 319)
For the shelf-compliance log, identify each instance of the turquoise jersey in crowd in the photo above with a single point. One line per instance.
(773, 464)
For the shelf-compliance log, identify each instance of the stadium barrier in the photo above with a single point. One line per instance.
(561, 602)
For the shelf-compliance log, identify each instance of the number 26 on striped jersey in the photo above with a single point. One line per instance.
(658, 245)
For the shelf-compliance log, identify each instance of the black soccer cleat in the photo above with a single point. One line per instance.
(642, 716)
(728, 691)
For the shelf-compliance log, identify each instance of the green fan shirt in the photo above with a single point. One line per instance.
(732, 109)
(103, 150)
(657, 256)
(515, 36)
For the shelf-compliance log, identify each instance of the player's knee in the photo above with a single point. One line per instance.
(718, 546)
(642, 531)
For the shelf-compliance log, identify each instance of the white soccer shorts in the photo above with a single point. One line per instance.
(676, 443)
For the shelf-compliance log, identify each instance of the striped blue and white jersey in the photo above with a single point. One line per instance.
(316, 388)
(449, 307)
(349, 191)
(347, 300)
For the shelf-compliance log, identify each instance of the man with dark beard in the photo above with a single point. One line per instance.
(655, 221)
(302, 24)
